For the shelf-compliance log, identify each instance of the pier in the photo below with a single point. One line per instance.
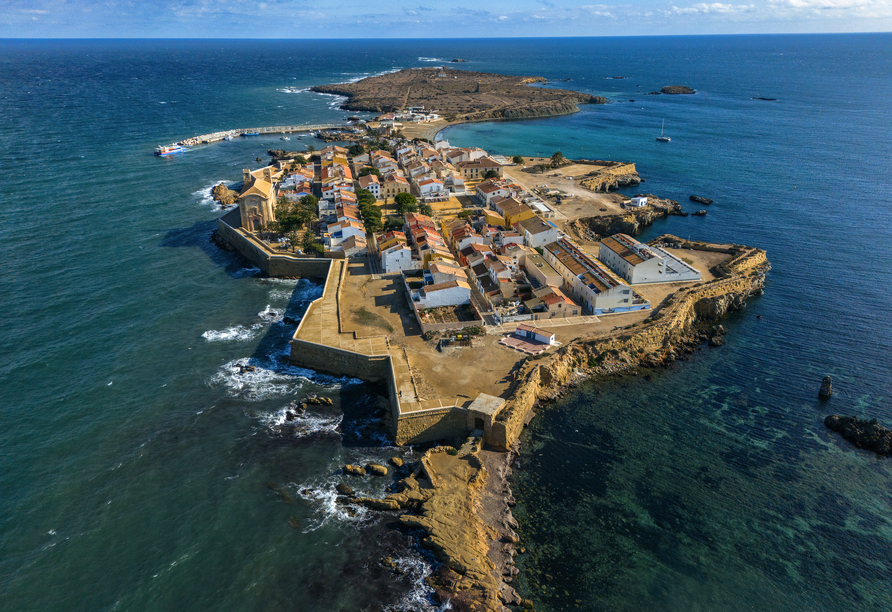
(288, 129)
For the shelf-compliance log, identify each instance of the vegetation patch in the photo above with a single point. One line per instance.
(366, 317)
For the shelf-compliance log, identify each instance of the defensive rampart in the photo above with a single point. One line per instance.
(271, 264)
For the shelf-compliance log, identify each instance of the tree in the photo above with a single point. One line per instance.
(355, 150)
(490, 174)
(300, 160)
(557, 159)
(405, 203)
(371, 219)
(369, 170)
(517, 159)
(294, 240)
(311, 148)
(364, 197)
(465, 214)
(308, 241)
(426, 209)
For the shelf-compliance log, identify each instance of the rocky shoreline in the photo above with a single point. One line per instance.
(631, 222)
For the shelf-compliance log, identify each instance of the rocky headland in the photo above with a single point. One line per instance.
(631, 222)
(459, 95)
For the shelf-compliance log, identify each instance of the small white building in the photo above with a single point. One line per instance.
(638, 202)
(538, 232)
(450, 293)
(528, 332)
(371, 183)
(398, 258)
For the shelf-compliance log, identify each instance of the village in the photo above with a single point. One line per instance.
(450, 261)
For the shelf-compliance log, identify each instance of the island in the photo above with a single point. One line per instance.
(459, 94)
(474, 289)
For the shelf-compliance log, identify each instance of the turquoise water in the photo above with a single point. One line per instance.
(137, 459)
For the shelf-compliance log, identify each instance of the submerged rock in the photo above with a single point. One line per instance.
(700, 199)
(826, 387)
(868, 435)
(677, 89)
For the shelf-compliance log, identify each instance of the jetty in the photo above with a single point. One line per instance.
(278, 129)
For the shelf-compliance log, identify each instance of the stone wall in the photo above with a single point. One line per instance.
(271, 264)
(430, 425)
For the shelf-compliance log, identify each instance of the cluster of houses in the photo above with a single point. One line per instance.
(432, 173)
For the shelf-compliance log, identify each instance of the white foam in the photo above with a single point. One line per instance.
(417, 568)
(431, 59)
(272, 377)
(302, 425)
(238, 333)
(205, 195)
(324, 499)
(271, 314)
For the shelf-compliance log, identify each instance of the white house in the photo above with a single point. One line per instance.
(528, 332)
(429, 186)
(371, 183)
(639, 263)
(398, 258)
(538, 232)
(638, 202)
(450, 293)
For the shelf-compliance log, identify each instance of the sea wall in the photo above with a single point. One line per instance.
(271, 264)
(649, 343)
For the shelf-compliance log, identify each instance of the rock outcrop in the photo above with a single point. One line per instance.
(826, 387)
(224, 195)
(631, 222)
(867, 435)
(700, 199)
(677, 89)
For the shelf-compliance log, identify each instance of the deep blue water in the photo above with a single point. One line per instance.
(135, 459)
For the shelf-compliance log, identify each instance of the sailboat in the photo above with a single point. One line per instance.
(661, 137)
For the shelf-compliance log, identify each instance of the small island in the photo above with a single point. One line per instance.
(459, 95)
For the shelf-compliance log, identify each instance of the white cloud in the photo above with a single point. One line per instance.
(713, 8)
(34, 11)
(503, 17)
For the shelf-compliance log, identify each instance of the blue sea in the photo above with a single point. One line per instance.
(143, 469)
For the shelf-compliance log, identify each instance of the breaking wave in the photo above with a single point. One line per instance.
(300, 425)
(257, 379)
(271, 314)
(238, 333)
(205, 197)
(417, 567)
(324, 500)
(244, 272)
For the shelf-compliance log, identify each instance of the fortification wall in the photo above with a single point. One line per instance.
(430, 425)
(269, 264)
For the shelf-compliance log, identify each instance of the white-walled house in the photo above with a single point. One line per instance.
(538, 232)
(398, 258)
(638, 202)
(450, 293)
(639, 263)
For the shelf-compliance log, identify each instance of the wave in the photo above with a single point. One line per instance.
(301, 425)
(324, 500)
(252, 271)
(432, 59)
(271, 314)
(294, 89)
(205, 196)
(237, 333)
(256, 379)
(417, 567)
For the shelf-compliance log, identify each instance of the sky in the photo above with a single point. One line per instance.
(426, 18)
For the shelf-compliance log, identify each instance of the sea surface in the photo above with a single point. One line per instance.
(142, 469)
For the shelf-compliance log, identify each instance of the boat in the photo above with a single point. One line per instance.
(661, 137)
(229, 137)
(284, 138)
(250, 133)
(169, 150)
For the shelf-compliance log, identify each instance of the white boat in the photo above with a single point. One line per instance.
(284, 138)
(229, 137)
(661, 137)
